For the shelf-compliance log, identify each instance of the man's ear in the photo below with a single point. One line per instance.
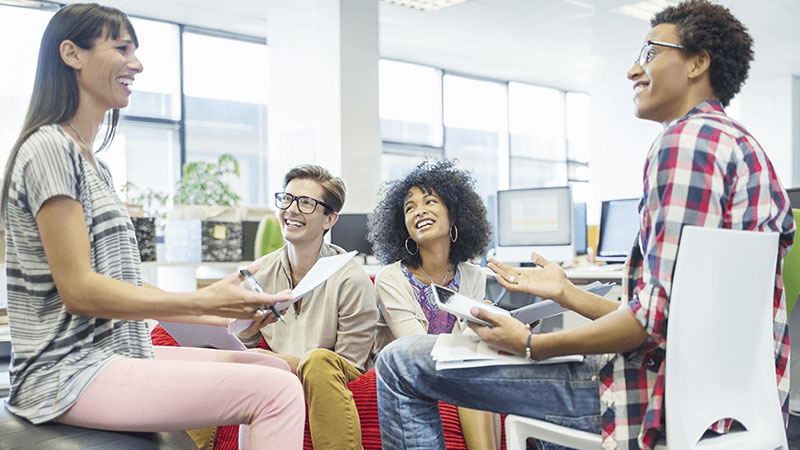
(71, 54)
(330, 220)
(700, 64)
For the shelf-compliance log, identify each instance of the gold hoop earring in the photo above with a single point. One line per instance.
(453, 239)
(408, 250)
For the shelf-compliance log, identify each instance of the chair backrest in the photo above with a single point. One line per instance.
(791, 269)
(720, 361)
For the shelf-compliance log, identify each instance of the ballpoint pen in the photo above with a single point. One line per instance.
(252, 284)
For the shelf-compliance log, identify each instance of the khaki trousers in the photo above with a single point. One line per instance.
(332, 415)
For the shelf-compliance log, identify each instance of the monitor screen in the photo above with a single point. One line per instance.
(794, 197)
(537, 220)
(579, 226)
(619, 223)
(350, 233)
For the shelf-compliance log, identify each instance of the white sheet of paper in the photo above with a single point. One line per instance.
(323, 269)
(197, 335)
(463, 351)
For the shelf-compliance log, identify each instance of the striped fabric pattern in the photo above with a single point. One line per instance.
(56, 355)
(706, 170)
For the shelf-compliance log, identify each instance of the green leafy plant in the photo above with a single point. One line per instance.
(154, 203)
(203, 183)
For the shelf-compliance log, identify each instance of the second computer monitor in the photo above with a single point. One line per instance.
(534, 220)
(350, 233)
(580, 234)
(619, 223)
(794, 197)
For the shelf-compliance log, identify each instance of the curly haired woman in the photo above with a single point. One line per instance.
(425, 228)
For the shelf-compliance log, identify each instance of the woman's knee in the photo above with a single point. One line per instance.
(280, 386)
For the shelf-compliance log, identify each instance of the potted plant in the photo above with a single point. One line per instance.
(203, 183)
(199, 233)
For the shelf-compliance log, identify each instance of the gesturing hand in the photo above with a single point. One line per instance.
(547, 281)
(507, 334)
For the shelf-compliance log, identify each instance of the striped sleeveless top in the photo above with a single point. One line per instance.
(55, 354)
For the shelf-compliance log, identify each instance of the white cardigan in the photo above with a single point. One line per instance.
(401, 314)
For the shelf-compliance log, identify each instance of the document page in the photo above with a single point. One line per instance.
(323, 269)
(197, 335)
(462, 351)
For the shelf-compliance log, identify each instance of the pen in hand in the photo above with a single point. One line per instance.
(252, 284)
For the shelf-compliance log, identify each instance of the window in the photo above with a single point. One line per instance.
(410, 103)
(579, 144)
(20, 51)
(146, 150)
(157, 90)
(146, 154)
(537, 148)
(476, 127)
(226, 107)
(508, 134)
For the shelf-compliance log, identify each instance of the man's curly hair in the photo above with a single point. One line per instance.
(386, 223)
(705, 26)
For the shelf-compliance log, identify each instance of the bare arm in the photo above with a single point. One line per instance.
(550, 281)
(617, 332)
(65, 238)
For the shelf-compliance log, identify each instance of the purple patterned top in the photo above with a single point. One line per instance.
(439, 322)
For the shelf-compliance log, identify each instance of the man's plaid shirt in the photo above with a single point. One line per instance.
(704, 169)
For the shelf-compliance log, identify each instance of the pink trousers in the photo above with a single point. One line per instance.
(186, 388)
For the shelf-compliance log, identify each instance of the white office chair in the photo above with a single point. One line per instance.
(719, 361)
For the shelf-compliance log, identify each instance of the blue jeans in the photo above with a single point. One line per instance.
(409, 387)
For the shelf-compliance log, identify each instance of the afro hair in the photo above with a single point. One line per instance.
(386, 224)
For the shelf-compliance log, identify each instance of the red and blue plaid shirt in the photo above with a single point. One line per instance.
(704, 169)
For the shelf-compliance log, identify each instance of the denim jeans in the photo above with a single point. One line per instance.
(409, 387)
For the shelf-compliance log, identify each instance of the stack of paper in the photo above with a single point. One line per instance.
(462, 351)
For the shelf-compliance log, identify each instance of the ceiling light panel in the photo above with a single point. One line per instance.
(425, 5)
(644, 10)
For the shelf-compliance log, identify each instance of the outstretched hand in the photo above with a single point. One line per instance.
(547, 281)
(227, 298)
(507, 334)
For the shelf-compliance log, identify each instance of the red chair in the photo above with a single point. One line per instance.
(366, 399)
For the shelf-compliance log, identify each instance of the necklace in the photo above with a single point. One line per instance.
(446, 273)
(80, 138)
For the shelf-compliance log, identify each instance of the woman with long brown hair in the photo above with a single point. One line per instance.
(76, 300)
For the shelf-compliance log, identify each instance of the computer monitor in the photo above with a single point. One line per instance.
(579, 234)
(350, 233)
(794, 197)
(534, 220)
(619, 223)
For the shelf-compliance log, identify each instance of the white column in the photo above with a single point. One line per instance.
(324, 93)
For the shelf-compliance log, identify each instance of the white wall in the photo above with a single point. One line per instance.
(620, 140)
(768, 108)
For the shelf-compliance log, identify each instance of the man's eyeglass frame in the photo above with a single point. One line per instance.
(643, 53)
(292, 199)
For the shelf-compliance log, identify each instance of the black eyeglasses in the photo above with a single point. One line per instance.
(646, 55)
(306, 205)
